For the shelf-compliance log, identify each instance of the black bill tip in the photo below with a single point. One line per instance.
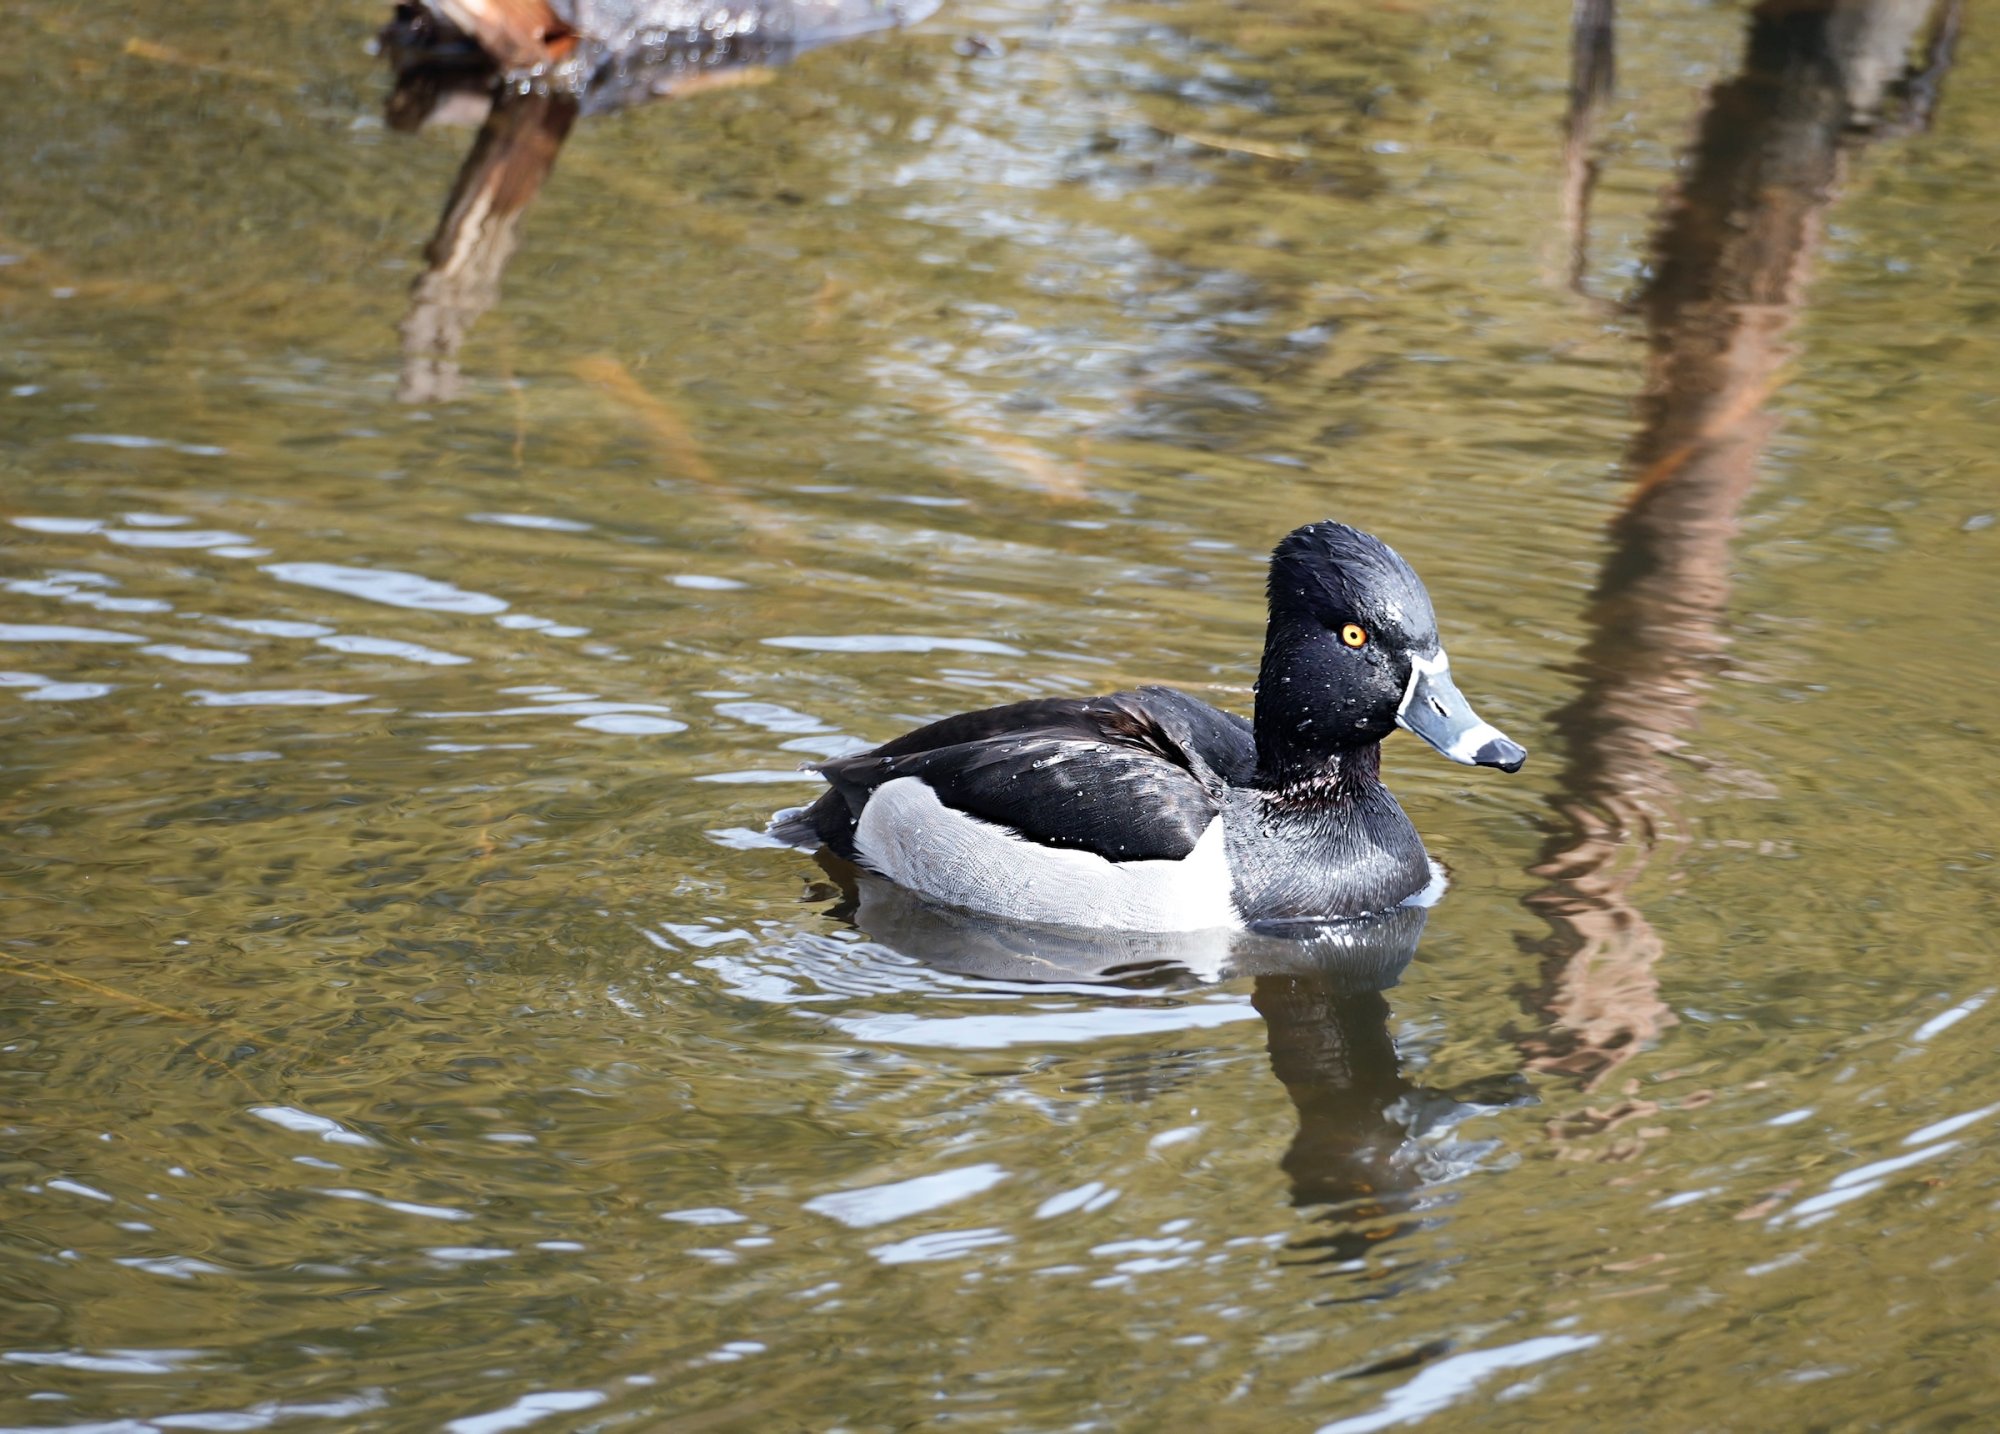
(1507, 756)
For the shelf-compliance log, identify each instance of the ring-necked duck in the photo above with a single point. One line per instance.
(1151, 811)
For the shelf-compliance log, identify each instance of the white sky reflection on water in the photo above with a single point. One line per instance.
(1442, 1384)
(992, 1031)
(387, 586)
(872, 1205)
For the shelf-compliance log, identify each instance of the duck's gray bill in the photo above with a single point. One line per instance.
(1434, 709)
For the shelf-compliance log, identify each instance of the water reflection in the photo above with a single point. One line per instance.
(524, 72)
(1593, 58)
(1332, 1050)
(1731, 256)
(1367, 955)
(1356, 1156)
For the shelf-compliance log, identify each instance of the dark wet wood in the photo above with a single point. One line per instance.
(524, 71)
(516, 34)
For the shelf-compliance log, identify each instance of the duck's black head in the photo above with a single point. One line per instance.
(1351, 654)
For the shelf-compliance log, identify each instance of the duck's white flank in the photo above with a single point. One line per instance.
(1433, 890)
(915, 840)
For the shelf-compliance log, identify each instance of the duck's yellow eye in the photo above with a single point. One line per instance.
(1354, 635)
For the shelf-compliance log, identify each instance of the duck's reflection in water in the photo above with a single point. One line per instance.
(1731, 257)
(1358, 1156)
(1352, 1157)
(524, 71)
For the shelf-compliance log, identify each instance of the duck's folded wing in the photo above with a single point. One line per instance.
(1131, 777)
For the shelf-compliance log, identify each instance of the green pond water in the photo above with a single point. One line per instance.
(402, 1024)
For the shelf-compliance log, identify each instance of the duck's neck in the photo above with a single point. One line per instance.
(1306, 753)
(1309, 777)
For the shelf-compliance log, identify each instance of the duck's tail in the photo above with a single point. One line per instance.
(799, 826)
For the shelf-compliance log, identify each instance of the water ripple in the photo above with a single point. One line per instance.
(893, 642)
(1449, 1380)
(49, 632)
(277, 697)
(865, 1207)
(387, 586)
(528, 1409)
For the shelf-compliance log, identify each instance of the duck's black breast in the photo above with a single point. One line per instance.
(1307, 860)
(1134, 776)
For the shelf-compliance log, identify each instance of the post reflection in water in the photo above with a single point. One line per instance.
(516, 148)
(1319, 990)
(1731, 254)
(524, 71)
